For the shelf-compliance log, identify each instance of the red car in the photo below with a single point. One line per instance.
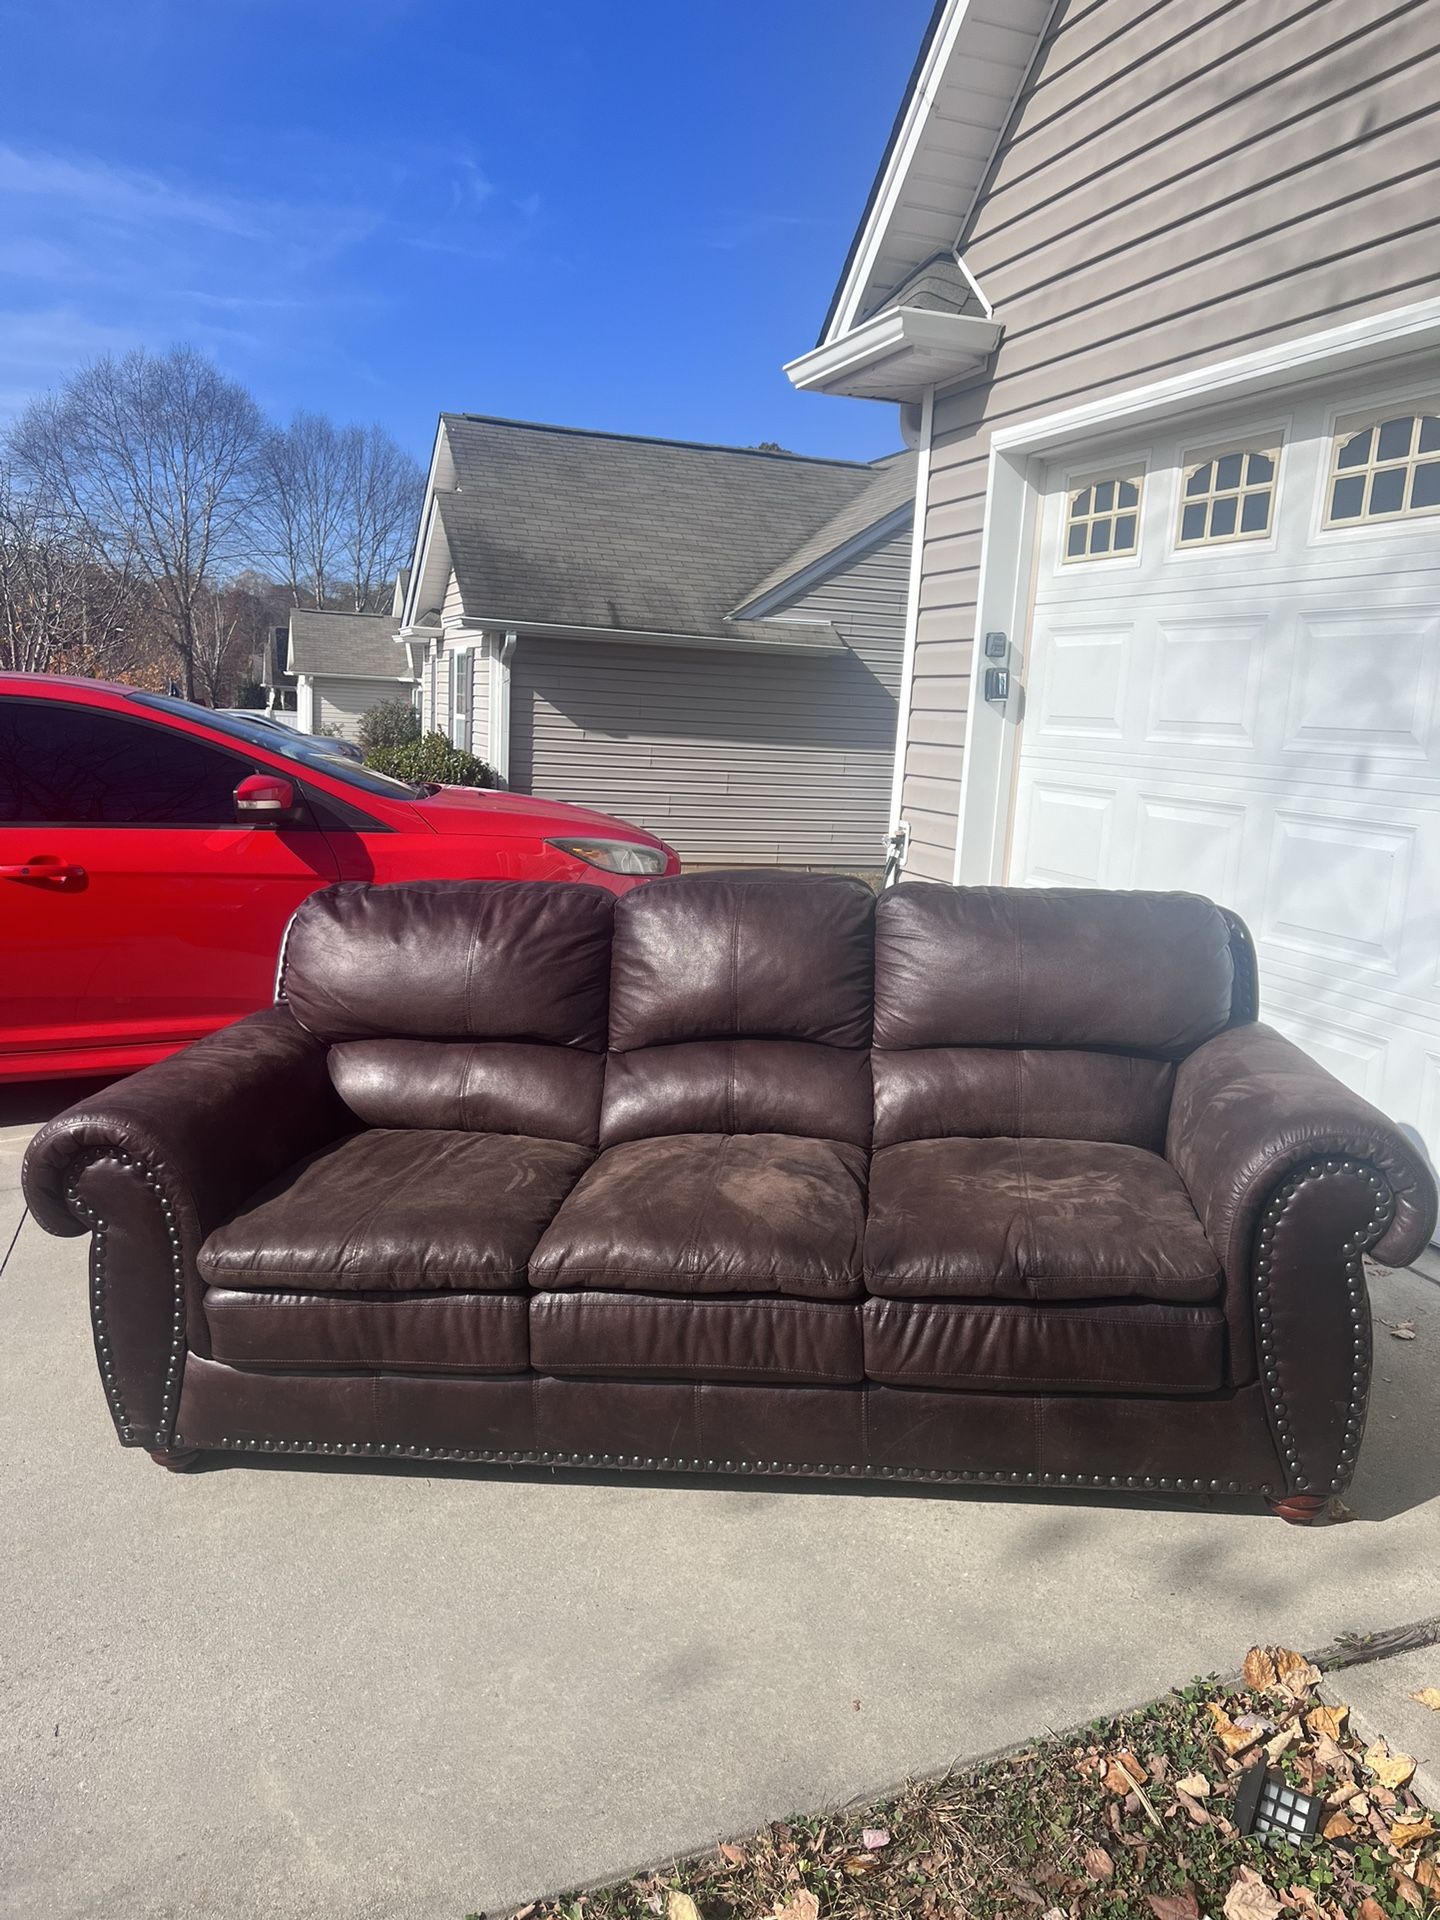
(151, 853)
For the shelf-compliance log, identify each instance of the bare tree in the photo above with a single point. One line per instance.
(159, 456)
(64, 607)
(382, 500)
(304, 504)
(338, 511)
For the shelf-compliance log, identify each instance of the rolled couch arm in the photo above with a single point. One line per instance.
(1249, 1107)
(1295, 1178)
(150, 1166)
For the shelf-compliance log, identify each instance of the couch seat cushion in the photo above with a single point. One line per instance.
(1033, 1220)
(989, 1346)
(390, 1332)
(713, 1213)
(657, 1337)
(404, 1210)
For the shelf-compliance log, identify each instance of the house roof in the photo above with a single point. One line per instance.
(891, 488)
(937, 285)
(973, 63)
(554, 526)
(358, 645)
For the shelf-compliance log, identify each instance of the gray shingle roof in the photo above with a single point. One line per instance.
(892, 485)
(555, 526)
(360, 644)
(937, 284)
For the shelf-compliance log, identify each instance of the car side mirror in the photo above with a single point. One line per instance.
(265, 800)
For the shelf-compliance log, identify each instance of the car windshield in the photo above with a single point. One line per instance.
(303, 748)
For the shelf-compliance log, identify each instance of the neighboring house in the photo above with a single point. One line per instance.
(342, 665)
(705, 640)
(1158, 291)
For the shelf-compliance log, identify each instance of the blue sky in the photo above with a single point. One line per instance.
(610, 213)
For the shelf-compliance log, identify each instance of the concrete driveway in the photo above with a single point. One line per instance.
(317, 1689)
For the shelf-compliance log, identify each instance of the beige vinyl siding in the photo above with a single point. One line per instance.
(344, 703)
(1178, 185)
(452, 610)
(480, 702)
(440, 693)
(730, 756)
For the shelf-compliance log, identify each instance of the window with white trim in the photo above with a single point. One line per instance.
(1384, 467)
(1102, 517)
(1227, 495)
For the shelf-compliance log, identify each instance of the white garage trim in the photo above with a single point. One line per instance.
(1018, 460)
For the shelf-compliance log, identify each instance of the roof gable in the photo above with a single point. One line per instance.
(972, 67)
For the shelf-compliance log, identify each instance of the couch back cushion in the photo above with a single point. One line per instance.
(475, 1005)
(1049, 1013)
(741, 1003)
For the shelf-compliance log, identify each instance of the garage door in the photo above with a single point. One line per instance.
(1232, 688)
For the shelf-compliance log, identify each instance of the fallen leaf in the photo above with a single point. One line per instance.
(1390, 1769)
(1259, 1669)
(1174, 1906)
(1339, 1511)
(1250, 1899)
(1054, 1913)
(1195, 1784)
(1327, 1720)
(1408, 1891)
(1428, 1697)
(802, 1905)
(1338, 1827)
(1404, 1833)
(1234, 1739)
(1303, 1901)
(1371, 1909)
(737, 1856)
(874, 1837)
(1359, 1805)
(679, 1906)
(1267, 1667)
(1403, 1330)
(1427, 1873)
(1157, 1767)
(1098, 1864)
(1193, 1807)
(1285, 1738)
(1123, 1773)
(1331, 1757)
(859, 1863)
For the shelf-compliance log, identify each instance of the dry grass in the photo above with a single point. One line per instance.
(1130, 1818)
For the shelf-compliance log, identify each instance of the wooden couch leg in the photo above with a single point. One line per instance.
(1300, 1509)
(180, 1462)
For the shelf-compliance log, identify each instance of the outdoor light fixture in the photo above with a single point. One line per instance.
(1271, 1809)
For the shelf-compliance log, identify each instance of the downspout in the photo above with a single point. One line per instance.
(897, 843)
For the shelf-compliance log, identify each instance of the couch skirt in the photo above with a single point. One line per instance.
(870, 1432)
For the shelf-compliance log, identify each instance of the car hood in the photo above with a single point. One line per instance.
(486, 810)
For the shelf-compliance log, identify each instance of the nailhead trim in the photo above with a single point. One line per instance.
(1354, 1249)
(125, 1425)
(649, 1463)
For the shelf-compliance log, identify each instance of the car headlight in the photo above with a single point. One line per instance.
(614, 856)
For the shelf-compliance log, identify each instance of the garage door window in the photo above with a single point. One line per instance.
(1227, 495)
(1384, 468)
(1102, 520)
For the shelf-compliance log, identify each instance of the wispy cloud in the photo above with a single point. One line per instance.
(95, 254)
(119, 193)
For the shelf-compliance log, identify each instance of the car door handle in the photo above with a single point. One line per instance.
(57, 872)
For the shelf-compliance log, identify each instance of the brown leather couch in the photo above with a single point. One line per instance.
(750, 1174)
